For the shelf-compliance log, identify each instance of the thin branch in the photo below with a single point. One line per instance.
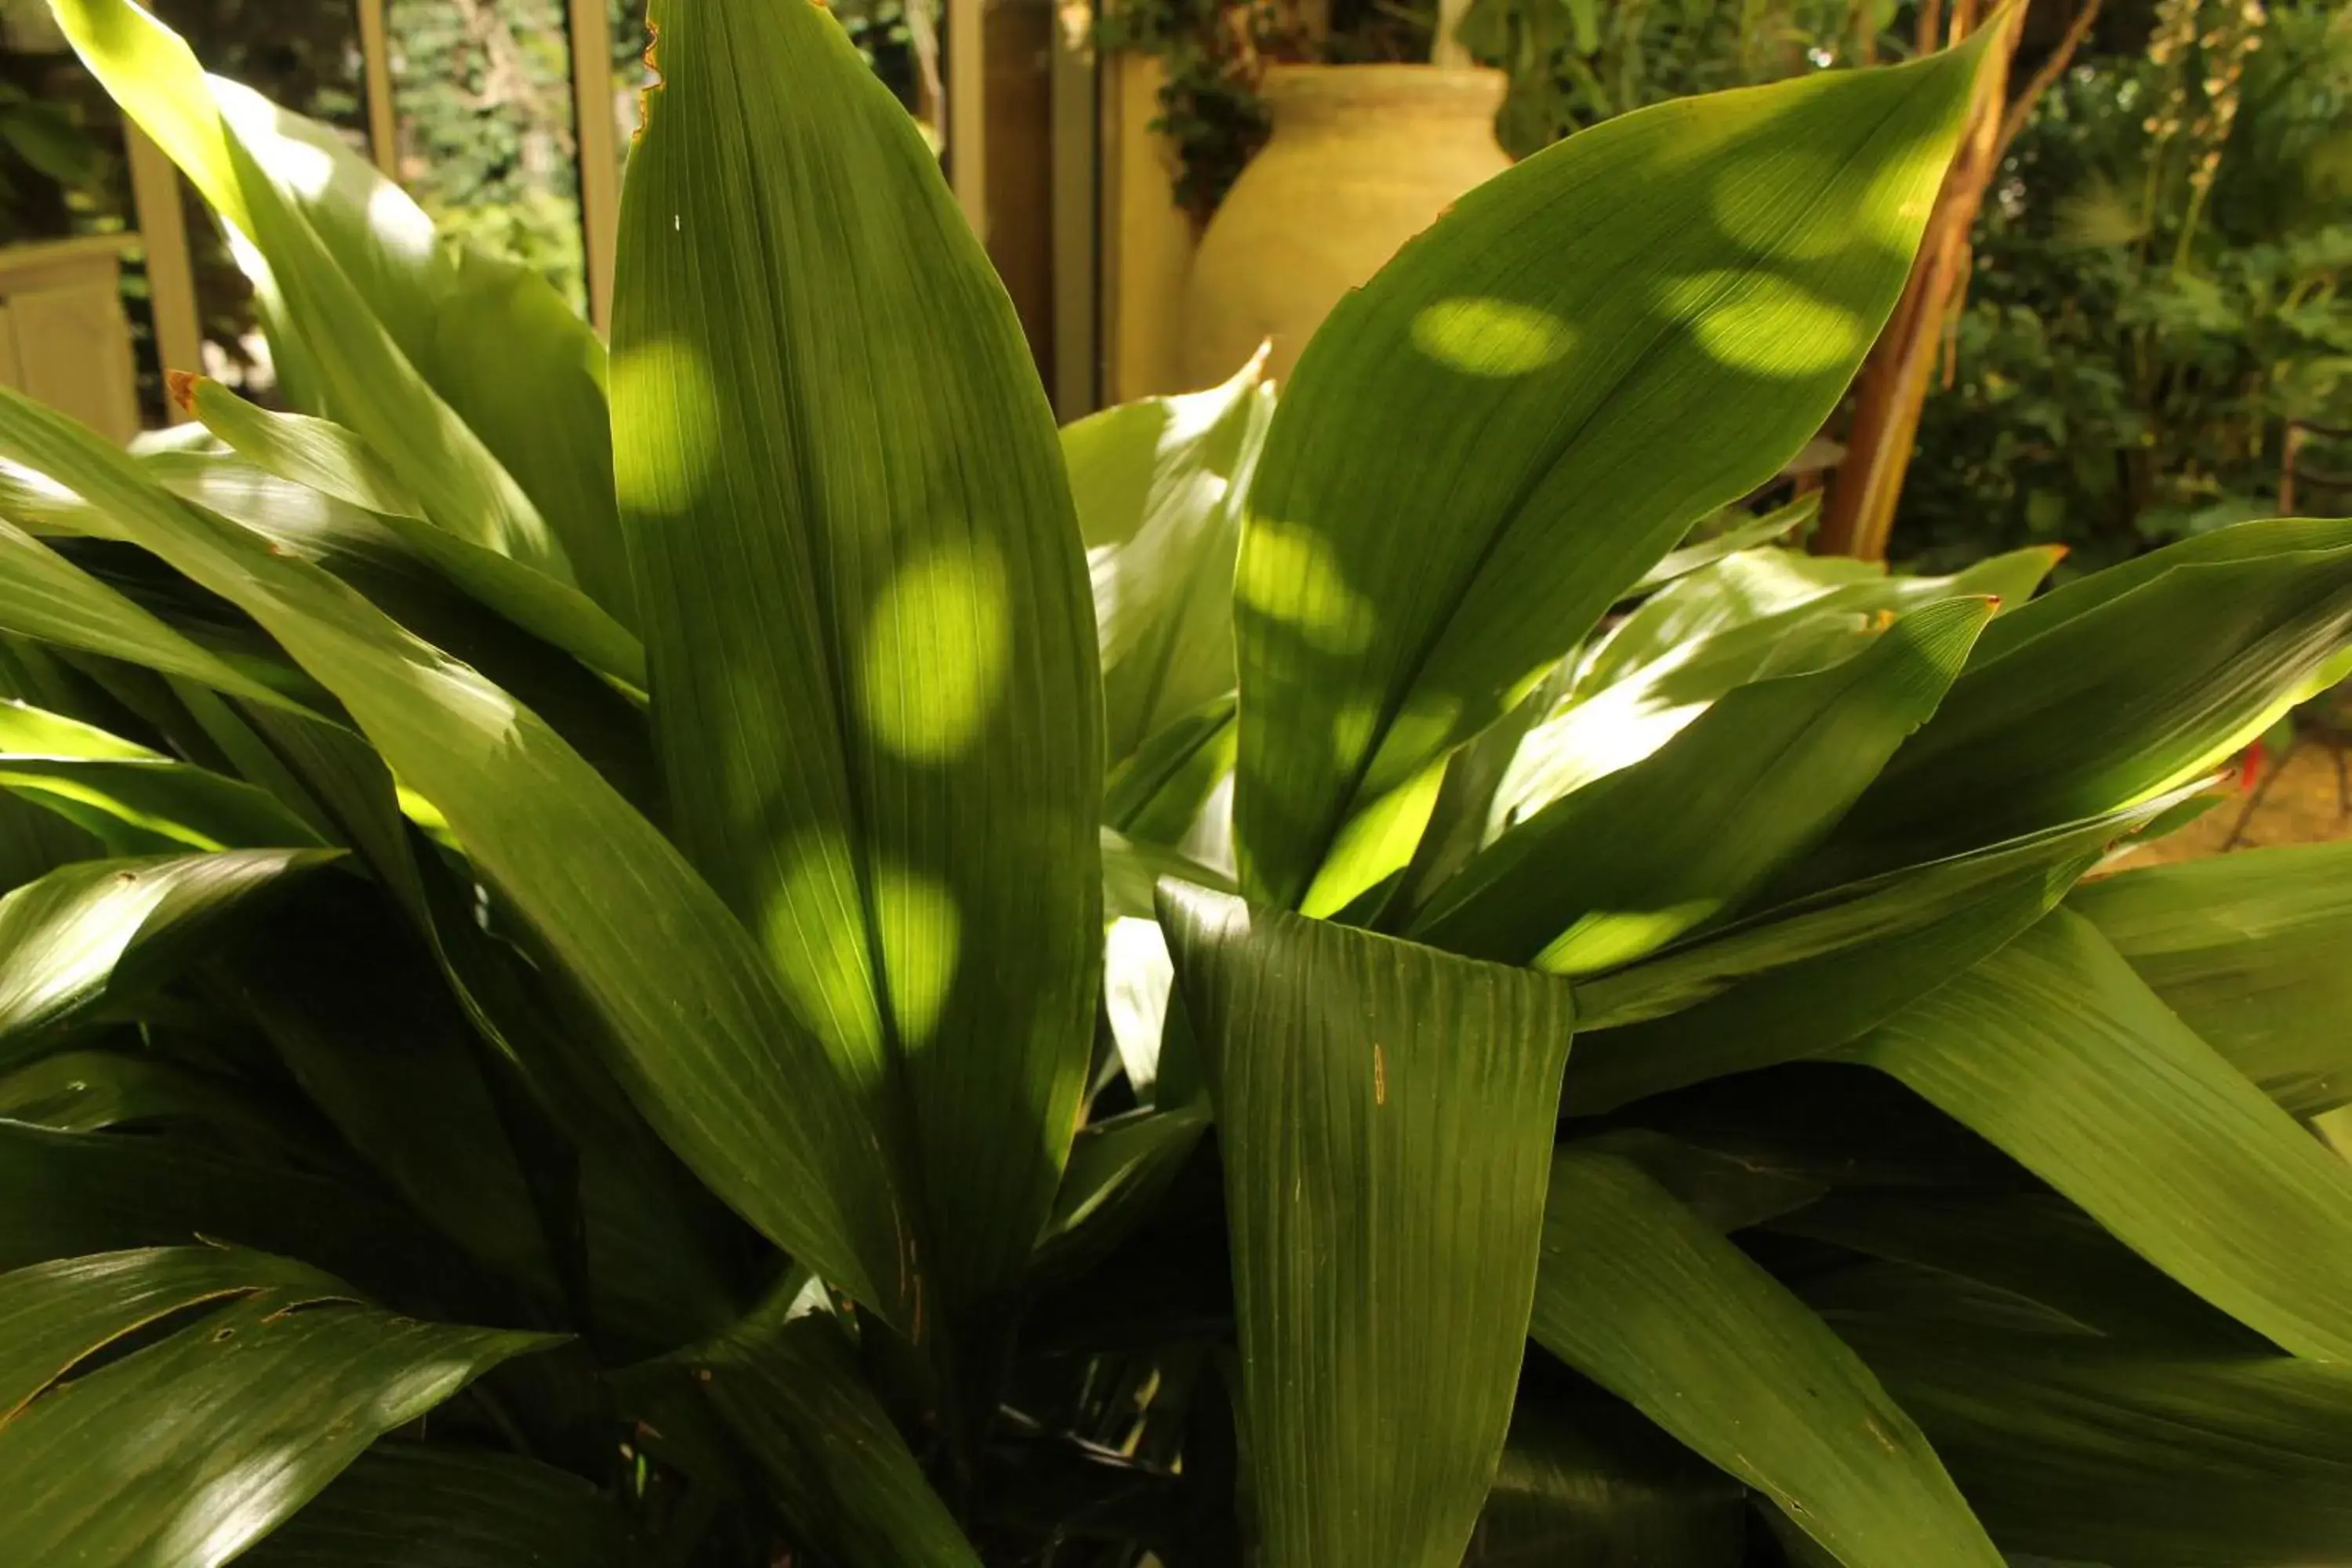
(2052, 69)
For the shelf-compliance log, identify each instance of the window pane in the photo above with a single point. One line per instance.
(482, 97)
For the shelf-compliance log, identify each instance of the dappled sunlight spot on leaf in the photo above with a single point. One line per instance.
(1491, 337)
(222, 1517)
(666, 468)
(1606, 938)
(937, 648)
(1292, 575)
(921, 938)
(1766, 324)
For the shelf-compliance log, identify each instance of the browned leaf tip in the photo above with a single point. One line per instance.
(181, 385)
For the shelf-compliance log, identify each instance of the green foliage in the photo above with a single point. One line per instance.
(2159, 290)
(582, 981)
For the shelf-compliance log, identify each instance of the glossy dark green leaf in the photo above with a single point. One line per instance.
(1609, 874)
(2034, 1245)
(1598, 1487)
(1118, 1170)
(75, 1192)
(90, 1091)
(1803, 980)
(1657, 1307)
(2250, 951)
(55, 1315)
(186, 1450)
(1700, 279)
(2106, 1454)
(336, 462)
(2055, 1051)
(865, 603)
(99, 778)
(417, 1505)
(1385, 1113)
(90, 934)
(788, 1385)
(1158, 486)
(2091, 708)
(354, 1011)
(746, 1095)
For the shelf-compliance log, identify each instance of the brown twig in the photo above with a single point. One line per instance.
(2021, 107)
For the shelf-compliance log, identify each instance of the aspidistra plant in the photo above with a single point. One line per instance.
(745, 954)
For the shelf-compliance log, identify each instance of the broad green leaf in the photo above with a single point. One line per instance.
(788, 1383)
(2119, 701)
(1137, 979)
(87, 935)
(528, 375)
(1757, 616)
(1598, 1487)
(690, 1019)
(327, 457)
(1888, 905)
(360, 372)
(1158, 486)
(46, 597)
(1699, 278)
(86, 773)
(416, 1505)
(2055, 1052)
(1803, 980)
(865, 608)
(2250, 951)
(1657, 1307)
(1385, 1113)
(2101, 1453)
(55, 1315)
(186, 1450)
(1131, 870)
(1624, 866)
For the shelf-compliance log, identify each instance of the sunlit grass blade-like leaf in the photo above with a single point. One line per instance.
(1158, 486)
(2055, 1051)
(1762, 614)
(1776, 524)
(84, 934)
(844, 1478)
(1385, 1113)
(2116, 701)
(2083, 1452)
(287, 1399)
(695, 1027)
(1699, 278)
(2254, 953)
(1618, 868)
(101, 780)
(328, 459)
(865, 606)
(361, 375)
(1595, 1485)
(417, 1505)
(1657, 1307)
